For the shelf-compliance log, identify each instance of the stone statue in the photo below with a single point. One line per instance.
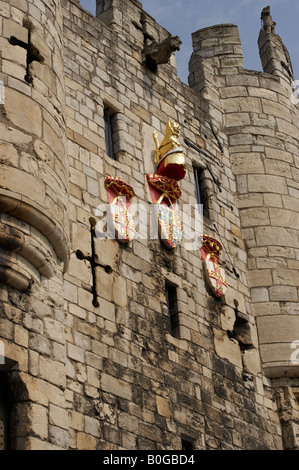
(269, 24)
(170, 140)
(169, 157)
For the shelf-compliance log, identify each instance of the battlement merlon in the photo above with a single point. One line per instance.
(274, 55)
(222, 41)
(215, 46)
(115, 12)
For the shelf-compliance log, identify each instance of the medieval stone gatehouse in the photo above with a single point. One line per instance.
(174, 337)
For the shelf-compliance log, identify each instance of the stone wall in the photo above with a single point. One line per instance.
(110, 375)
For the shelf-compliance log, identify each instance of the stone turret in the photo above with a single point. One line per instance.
(261, 123)
(33, 158)
(258, 114)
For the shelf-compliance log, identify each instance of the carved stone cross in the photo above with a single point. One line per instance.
(33, 54)
(93, 260)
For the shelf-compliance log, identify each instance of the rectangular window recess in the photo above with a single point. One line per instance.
(197, 182)
(109, 133)
(172, 305)
(200, 192)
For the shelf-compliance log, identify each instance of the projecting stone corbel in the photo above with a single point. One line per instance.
(26, 255)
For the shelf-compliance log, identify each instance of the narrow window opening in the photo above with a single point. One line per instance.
(108, 117)
(187, 445)
(172, 305)
(200, 193)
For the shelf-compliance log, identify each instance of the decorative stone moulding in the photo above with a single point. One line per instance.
(26, 255)
(120, 195)
(210, 254)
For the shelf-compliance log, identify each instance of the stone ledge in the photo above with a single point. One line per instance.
(280, 369)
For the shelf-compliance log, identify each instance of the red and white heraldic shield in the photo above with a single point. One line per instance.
(215, 276)
(120, 195)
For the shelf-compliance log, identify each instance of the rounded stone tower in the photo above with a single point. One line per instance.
(33, 158)
(259, 115)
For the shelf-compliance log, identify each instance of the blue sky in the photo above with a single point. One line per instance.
(183, 17)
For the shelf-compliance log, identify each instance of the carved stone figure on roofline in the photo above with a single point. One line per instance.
(160, 52)
(269, 24)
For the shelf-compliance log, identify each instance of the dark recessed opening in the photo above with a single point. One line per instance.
(200, 191)
(108, 121)
(187, 445)
(172, 305)
(151, 64)
(108, 269)
(80, 255)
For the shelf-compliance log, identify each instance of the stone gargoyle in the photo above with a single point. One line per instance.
(160, 53)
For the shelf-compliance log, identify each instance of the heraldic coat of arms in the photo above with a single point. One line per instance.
(215, 276)
(170, 167)
(120, 195)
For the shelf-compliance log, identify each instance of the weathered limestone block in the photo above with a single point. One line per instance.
(20, 182)
(13, 70)
(267, 184)
(13, 29)
(39, 424)
(286, 277)
(227, 348)
(119, 293)
(163, 407)
(23, 112)
(237, 119)
(14, 136)
(260, 278)
(15, 54)
(283, 293)
(52, 371)
(116, 386)
(246, 163)
(284, 218)
(251, 361)
(254, 217)
(86, 442)
(108, 252)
